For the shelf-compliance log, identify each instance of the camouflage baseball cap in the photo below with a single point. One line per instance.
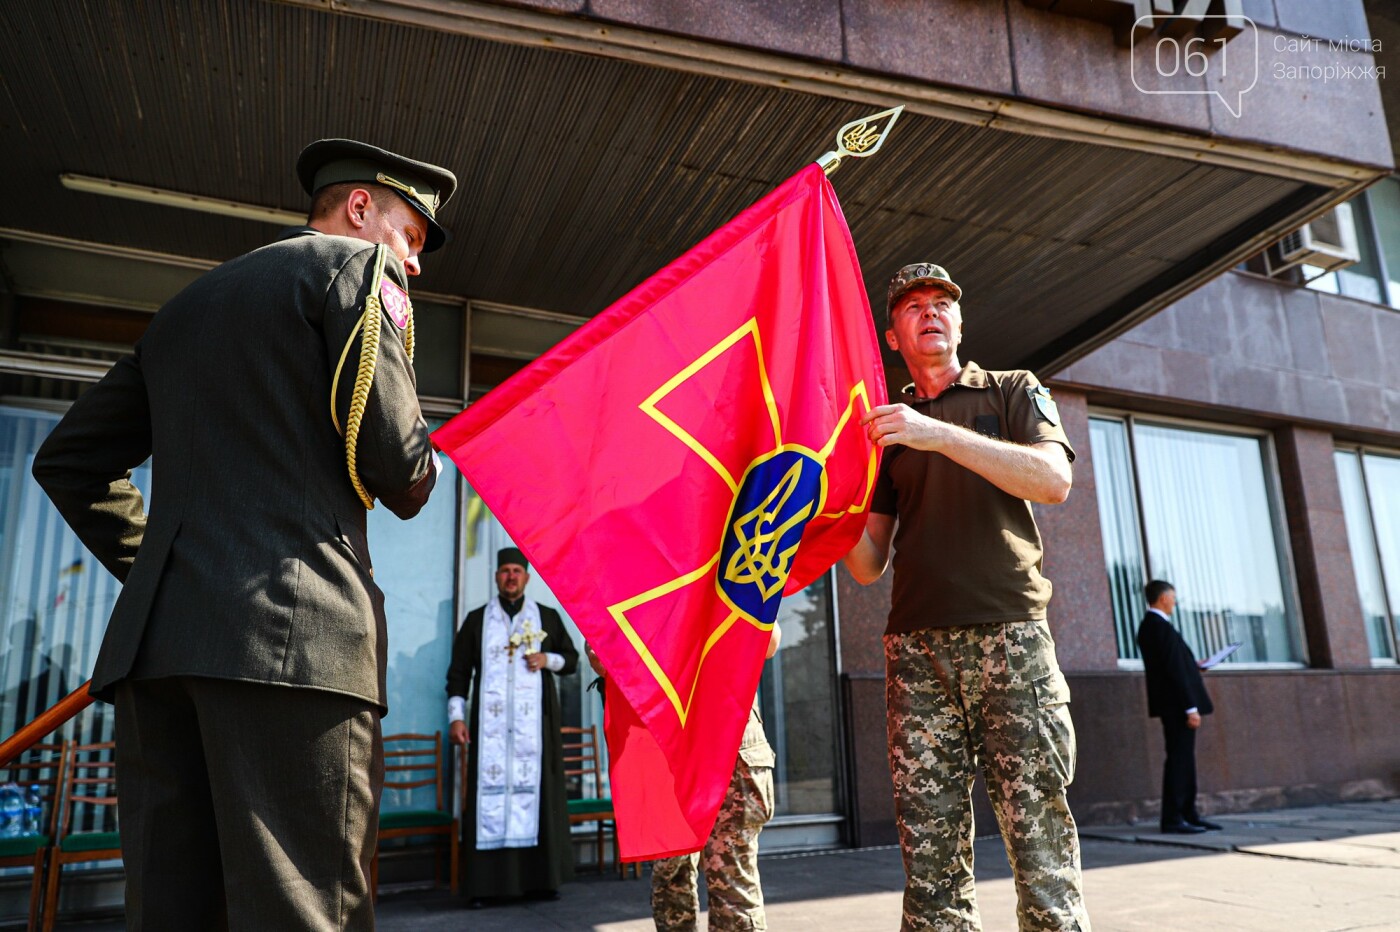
(920, 273)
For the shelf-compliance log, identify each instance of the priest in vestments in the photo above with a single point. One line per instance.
(515, 820)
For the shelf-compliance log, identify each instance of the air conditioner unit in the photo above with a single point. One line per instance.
(1327, 243)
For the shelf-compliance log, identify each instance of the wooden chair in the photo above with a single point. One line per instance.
(411, 761)
(581, 760)
(89, 778)
(41, 766)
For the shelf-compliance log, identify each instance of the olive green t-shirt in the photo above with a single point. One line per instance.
(965, 552)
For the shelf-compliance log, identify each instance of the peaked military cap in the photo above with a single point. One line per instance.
(426, 187)
(920, 273)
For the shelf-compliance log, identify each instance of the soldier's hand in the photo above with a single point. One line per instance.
(457, 733)
(887, 425)
(593, 660)
(1193, 720)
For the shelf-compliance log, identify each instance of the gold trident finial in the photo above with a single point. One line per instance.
(860, 138)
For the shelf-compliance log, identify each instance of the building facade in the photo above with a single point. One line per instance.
(1105, 210)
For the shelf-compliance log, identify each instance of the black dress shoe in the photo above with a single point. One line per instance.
(1182, 828)
(1208, 826)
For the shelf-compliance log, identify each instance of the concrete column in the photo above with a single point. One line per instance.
(1333, 626)
(1081, 610)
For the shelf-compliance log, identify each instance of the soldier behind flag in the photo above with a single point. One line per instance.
(246, 654)
(506, 657)
(970, 664)
(730, 857)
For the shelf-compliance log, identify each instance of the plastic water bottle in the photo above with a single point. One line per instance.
(34, 811)
(11, 811)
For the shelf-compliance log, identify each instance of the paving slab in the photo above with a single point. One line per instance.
(1330, 852)
(1112, 832)
(1232, 838)
(1206, 841)
(1390, 841)
(1390, 806)
(1354, 826)
(1267, 818)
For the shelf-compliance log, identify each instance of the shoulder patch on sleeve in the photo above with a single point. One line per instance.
(1044, 405)
(395, 301)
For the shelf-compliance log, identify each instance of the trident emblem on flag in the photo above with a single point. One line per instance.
(779, 493)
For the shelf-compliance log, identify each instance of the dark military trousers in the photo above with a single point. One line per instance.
(991, 692)
(730, 862)
(246, 806)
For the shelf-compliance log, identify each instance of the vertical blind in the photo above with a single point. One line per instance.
(1208, 526)
(1370, 485)
(54, 597)
(1122, 537)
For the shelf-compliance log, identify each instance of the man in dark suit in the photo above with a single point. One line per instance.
(246, 654)
(1177, 695)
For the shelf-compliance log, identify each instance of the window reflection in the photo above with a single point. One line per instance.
(1209, 528)
(797, 701)
(56, 596)
(414, 566)
(1122, 538)
(1383, 486)
(1365, 560)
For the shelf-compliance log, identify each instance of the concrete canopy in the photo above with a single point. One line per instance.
(581, 174)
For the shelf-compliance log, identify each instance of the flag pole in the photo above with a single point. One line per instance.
(857, 139)
(46, 723)
(860, 138)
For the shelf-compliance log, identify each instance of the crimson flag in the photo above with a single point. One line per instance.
(675, 467)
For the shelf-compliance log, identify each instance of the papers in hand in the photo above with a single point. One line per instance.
(1219, 655)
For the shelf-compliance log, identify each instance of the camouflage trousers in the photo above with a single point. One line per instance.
(992, 692)
(730, 861)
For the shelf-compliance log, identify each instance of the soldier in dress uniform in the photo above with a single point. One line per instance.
(246, 654)
(970, 664)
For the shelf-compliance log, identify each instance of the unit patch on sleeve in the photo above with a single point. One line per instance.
(1044, 404)
(395, 301)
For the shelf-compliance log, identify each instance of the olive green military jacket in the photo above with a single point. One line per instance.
(252, 563)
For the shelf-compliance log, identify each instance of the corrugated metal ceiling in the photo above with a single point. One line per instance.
(579, 175)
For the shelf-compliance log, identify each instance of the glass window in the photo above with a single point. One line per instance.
(1365, 558)
(56, 596)
(413, 565)
(1385, 209)
(797, 699)
(1376, 277)
(1371, 500)
(1208, 526)
(438, 348)
(1362, 280)
(1122, 538)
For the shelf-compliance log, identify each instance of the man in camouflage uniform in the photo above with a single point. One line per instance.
(970, 664)
(731, 855)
